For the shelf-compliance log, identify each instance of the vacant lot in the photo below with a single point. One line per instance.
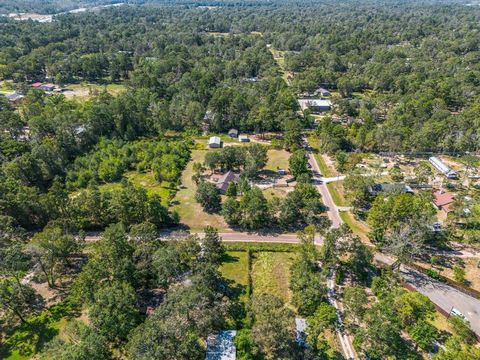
(86, 90)
(271, 274)
(277, 159)
(191, 213)
(148, 182)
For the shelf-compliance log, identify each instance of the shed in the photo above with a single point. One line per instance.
(215, 142)
(233, 133)
(36, 84)
(243, 138)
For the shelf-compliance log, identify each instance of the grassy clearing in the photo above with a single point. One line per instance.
(337, 191)
(357, 227)
(85, 90)
(277, 159)
(271, 275)
(146, 181)
(441, 323)
(29, 339)
(191, 213)
(235, 269)
(281, 193)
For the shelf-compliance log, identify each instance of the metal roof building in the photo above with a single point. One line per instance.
(442, 167)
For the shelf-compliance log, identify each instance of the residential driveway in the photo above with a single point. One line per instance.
(444, 296)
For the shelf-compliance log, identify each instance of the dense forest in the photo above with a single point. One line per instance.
(79, 213)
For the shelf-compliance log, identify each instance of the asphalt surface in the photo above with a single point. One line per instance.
(319, 181)
(442, 295)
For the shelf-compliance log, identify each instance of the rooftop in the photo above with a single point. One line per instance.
(443, 198)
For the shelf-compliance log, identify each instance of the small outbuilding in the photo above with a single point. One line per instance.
(215, 142)
(243, 138)
(233, 133)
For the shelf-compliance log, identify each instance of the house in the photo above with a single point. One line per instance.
(36, 85)
(315, 105)
(243, 138)
(215, 142)
(390, 188)
(221, 346)
(322, 92)
(47, 87)
(443, 168)
(233, 133)
(224, 181)
(443, 200)
(14, 97)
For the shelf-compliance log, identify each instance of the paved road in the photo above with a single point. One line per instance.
(442, 295)
(234, 237)
(318, 180)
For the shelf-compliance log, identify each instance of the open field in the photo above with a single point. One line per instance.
(279, 192)
(191, 213)
(87, 89)
(271, 275)
(277, 159)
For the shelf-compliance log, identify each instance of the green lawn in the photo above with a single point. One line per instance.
(235, 269)
(277, 159)
(324, 169)
(357, 227)
(33, 336)
(337, 192)
(271, 274)
(191, 213)
(147, 181)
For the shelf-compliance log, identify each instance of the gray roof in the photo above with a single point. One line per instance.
(226, 179)
(14, 96)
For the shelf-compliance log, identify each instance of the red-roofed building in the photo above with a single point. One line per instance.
(37, 84)
(442, 200)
